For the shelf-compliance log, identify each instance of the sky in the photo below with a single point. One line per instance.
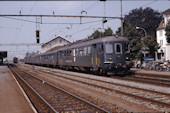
(13, 30)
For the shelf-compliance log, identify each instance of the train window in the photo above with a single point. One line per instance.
(118, 48)
(81, 51)
(84, 51)
(109, 48)
(61, 53)
(89, 50)
(101, 49)
(68, 52)
(77, 52)
(71, 52)
(65, 53)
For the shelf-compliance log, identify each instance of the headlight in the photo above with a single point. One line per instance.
(127, 58)
(110, 59)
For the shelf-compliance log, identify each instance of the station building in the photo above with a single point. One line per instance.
(3, 54)
(163, 52)
(54, 44)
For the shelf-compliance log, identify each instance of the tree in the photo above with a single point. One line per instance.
(167, 30)
(152, 45)
(108, 32)
(97, 33)
(147, 18)
(134, 37)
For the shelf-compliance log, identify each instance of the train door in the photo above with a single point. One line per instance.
(118, 53)
(74, 55)
(94, 55)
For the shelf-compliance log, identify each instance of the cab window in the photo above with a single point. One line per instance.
(118, 48)
(127, 48)
(109, 48)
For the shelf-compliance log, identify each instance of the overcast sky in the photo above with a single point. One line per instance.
(17, 31)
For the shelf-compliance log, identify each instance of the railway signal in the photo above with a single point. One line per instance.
(38, 36)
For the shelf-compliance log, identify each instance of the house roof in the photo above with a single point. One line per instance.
(55, 39)
(161, 25)
(166, 12)
(54, 49)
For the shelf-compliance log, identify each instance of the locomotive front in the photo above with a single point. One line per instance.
(117, 56)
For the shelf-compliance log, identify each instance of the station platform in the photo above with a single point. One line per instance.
(135, 70)
(12, 99)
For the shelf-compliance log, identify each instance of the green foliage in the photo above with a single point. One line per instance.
(151, 43)
(98, 34)
(167, 30)
(147, 18)
(108, 32)
(134, 37)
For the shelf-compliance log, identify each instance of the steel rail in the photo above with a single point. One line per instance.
(53, 110)
(116, 91)
(83, 100)
(152, 75)
(118, 84)
(145, 80)
(123, 93)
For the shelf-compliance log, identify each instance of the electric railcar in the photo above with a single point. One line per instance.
(101, 55)
(15, 60)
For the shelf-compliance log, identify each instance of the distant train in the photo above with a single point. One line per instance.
(15, 60)
(1, 60)
(101, 55)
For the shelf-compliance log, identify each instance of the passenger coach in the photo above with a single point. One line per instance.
(101, 55)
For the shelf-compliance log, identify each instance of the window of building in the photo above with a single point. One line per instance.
(60, 41)
(161, 33)
(161, 42)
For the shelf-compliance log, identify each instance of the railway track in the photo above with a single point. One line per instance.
(145, 79)
(152, 75)
(55, 98)
(156, 100)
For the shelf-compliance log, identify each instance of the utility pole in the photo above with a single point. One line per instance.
(121, 18)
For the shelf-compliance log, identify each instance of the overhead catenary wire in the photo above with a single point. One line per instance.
(53, 23)
(9, 27)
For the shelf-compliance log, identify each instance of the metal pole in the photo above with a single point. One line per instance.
(143, 30)
(121, 18)
(144, 52)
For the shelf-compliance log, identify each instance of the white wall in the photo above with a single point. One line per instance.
(168, 52)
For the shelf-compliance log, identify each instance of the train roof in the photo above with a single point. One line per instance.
(87, 42)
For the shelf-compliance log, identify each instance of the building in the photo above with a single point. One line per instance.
(3, 54)
(54, 44)
(164, 52)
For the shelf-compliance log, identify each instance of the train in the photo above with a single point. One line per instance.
(104, 55)
(1, 60)
(15, 60)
